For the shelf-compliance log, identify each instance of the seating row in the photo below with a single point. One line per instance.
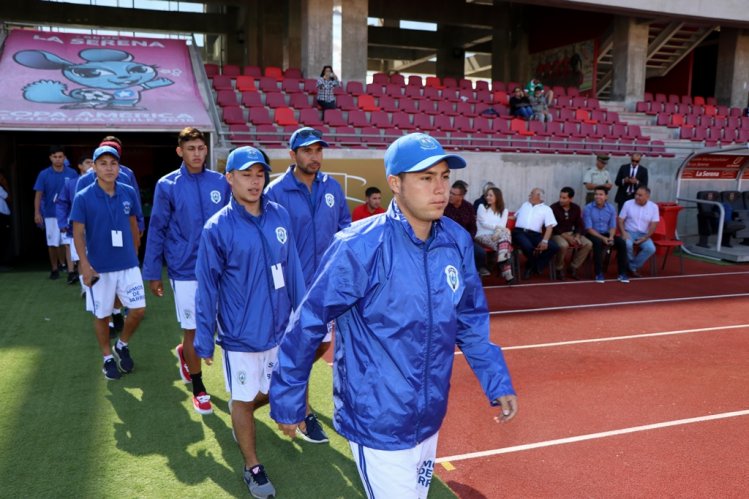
(714, 134)
(679, 120)
(656, 108)
(233, 70)
(679, 99)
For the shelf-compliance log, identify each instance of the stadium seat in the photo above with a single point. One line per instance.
(428, 106)
(402, 121)
(415, 81)
(357, 118)
(371, 136)
(664, 238)
(295, 73)
(520, 127)
(266, 84)
(211, 70)
(291, 85)
(686, 132)
(355, 88)
(484, 96)
(466, 95)
(259, 116)
(309, 86)
(642, 107)
(226, 98)
(459, 141)
(275, 99)
(233, 115)
(397, 79)
(380, 79)
(347, 137)
(648, 97)
(482, 124)
(253, 71)
(394, 90)
(573, 91)
(446, 107)
(274, 72)
(499, 86)
(699, 134)
(661, 98)
(221, 82)
(386, 103)
(375, 89)
(251, 99)
(462, 123)
(634, 131)
(482, 85)
(310, 117)
(246, 83)
(345, 102)
(443, 122)
(449, 82)
(434, 82)
(407, 105)
(379, 119)
(423, 122)
(334, 118)
(268, 135)
(284, 116)
(367, 103)
(231, 70)
(501, 126)
(239, 134)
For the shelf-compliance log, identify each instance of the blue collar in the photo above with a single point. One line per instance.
(396, 214)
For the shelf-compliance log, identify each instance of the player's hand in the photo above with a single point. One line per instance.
(509, 405)
(89, 276)
(157, 288)
(208, 361)
(38, 219)
(288, 429)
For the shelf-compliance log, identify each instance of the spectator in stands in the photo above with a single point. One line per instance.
(480, 201)
(462, 212)
(540, 105)
(530, 89)
(6, 232)
(326, 84)
(599, 217)
(637, 222)
(630, 177)
(568, 234)
(372, 206)
(318, 209)
(597, 175)
(402, 321)
(183, 201)
(48, 185)
(520, 106)
(534, 222)
(492, 231)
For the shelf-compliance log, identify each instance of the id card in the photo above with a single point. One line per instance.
(117, 238)
(277, 272)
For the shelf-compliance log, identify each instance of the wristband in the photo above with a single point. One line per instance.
(545, 241)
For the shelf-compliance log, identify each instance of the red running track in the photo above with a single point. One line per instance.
(636, 411)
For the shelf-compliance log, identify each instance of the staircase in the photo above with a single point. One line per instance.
(668, 44)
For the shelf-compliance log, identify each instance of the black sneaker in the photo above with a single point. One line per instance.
(72, 277)
(118, 322)
(258, 482)
(54, 275)
(125, 362)
(314, 434)
(110, 370)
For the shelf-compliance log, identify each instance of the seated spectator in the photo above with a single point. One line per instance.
(461, 211)
(530, 88)
(534, 222)
(568, 233)
(540, 105)
(372, 206)
(520, 106)
(599, 217)
(492, 230)
(326, 83)
(637, 222)
(482, 200)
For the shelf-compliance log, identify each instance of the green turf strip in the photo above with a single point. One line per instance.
(67, 432)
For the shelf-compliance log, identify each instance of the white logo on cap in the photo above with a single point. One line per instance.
(215, 197)
(126, 207)
(281, 235)
(329, 200)
(427, 142)
(452, 277)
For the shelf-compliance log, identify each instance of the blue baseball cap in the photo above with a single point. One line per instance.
(106, 150)
(416, 152)
(306, 137)
(243, 158)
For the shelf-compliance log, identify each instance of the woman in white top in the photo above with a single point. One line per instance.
(492, 231)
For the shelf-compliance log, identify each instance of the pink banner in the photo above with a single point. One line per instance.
(63, 80)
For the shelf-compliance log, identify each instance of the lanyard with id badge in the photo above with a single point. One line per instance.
(117, 241)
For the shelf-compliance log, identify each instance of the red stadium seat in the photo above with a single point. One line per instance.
(231, 70)
(346, 102)
(221, 82)
(291, 85)
(443, 123)
(334, 118)
(402, 121)
(251, 99)
(233, 115)
(275, 99)
(246, 83)
(295, 73)
(355, 88)
(357, 118)
(434, 82)
(449, 82)
(423, 122)
(284, 116)
(380, 79)
(375, 89)
(226, 98)
(254, 71)
(259, 116)
(379, 119)
(274, 72)
(211, 70)
(462, 123)
(398, 79)
(367, 103)
(394, 90)
(310, 117)
(446, 107)
(268, 135)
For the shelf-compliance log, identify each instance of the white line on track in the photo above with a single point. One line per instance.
(592, 436)
(565, 283)
(619, 338)
(617, 303)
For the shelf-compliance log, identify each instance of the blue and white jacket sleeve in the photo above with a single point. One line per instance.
(340, 282)
(485, 358)
(210, 264)
(157, 230)
(344, 217)
(63, 203)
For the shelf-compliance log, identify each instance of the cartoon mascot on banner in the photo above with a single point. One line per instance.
(110, 78)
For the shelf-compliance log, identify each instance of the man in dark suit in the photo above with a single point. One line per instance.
(630, 177)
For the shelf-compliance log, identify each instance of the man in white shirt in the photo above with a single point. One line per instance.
(637, 222)
(534, 222)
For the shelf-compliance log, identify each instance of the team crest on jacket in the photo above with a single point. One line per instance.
(215, 197)
(329, 200)
(281, 235)
(126, 207)
(451, 273)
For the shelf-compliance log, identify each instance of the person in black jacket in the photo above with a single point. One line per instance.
(629, 178)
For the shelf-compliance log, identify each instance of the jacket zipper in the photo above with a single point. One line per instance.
(425, 381)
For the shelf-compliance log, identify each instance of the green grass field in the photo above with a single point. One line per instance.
(67, 432)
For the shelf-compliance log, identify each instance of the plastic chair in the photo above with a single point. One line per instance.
(664, 236)
(284, 116)
(246, 83)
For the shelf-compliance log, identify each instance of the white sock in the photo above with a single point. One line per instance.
(121, 344)
(116, 311)
(107, 357)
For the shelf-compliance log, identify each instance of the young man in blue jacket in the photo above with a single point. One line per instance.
(63, 204)
(318, 209)
(404, 291)
(249, 280)
(106, 237)
(183, 202)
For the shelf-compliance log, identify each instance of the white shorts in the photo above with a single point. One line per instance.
(73, 253)
(127, 284)
(247, 373)
(396, 474)
(184, 302)
(54, 236)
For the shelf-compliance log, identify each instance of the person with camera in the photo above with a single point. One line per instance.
(326, 84)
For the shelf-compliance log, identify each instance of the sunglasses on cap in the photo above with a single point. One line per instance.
(304, 134)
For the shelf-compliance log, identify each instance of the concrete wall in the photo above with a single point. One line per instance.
(733, 11)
